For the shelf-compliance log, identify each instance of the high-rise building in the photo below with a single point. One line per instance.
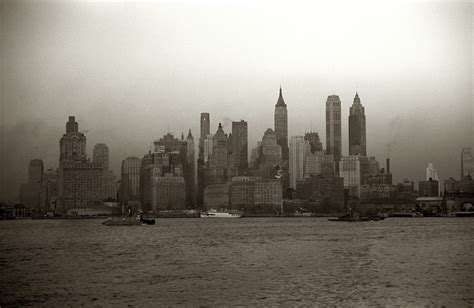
(219, 149)
(168, 193)
(467, 162)
(240, 145)
(298, 148)
(431, 173)
(190, 171)
(428, 188)
(205, 131)
(318, 163)
(357, 130)
(314, 141)
(352, 169)
(100, 154)
(72, 145)
(322, 188)
(333, 128)
(281, 125)
(50, 190)
(270, 150)
(208, 144)
(31, 193)
(130, 179)
(80, 181)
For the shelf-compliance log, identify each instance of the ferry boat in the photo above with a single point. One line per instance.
(221, 214)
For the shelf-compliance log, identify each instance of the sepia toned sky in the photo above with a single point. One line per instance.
(131, 71)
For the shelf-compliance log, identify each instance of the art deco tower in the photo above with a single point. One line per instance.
(333, 127)
(357, 137)
(281, 125)
(205, 131)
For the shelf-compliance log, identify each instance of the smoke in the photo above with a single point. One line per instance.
(394, 129)
(226, 122)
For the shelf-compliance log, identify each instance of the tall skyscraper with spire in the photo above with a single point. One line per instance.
(357, 130)
(281, 125)
(205, 131)
(333, 128)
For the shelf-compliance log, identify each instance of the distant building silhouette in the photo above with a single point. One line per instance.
(467, 162)
(298, 149)
(333, 128)
(357, 129)
(31, 193)
(100, 154)
(352, 169)
(130, 179)
(205, 131)
(240, 146)
(219, 149)
(281, 125)
(190, 172)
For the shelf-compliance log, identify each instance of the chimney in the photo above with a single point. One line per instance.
(388, 165)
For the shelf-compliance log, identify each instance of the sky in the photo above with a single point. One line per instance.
(132, 71)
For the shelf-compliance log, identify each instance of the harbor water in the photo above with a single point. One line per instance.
(246, 261)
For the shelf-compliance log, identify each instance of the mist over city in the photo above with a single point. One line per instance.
(236, 153)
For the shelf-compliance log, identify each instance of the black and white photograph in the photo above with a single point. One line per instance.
(236, 153)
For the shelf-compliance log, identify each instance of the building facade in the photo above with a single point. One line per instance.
(357, 129)
(352, 169)
(467, 162)
(281, 125)
(240, 146)
(333, 128)
(298, 149)
(130, 183)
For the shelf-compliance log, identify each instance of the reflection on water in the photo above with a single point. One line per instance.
(246, 261)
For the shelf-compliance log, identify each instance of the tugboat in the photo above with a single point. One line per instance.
(129, 220)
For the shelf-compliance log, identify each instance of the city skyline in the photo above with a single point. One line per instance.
(408, 93)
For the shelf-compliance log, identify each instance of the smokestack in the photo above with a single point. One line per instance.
(387, 166)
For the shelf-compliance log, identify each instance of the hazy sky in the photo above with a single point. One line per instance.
(131, 71)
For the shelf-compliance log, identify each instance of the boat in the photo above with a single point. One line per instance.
(464, 214)
(128, 221)
(221, 214)
(122, 221)
(355, 217)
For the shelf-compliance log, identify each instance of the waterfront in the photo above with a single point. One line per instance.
(248, 261)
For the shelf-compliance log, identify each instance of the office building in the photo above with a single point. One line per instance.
(357, 129)
(298, 149)
(333, 128)
(130, 179)
(352, 169)
(240, 146)
(467, 162)
(281, 125)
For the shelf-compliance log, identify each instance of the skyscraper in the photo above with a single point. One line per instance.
(298, 148)
(333, 128)
(281, 125)
(467, 162)
(130, 179)
(81, 182)
(190, 170)
(72, 145)
(30, 193)
(357, 130)
(431, 173)
(240, 145)
(100, 154)
(205, 131)
(219, 149)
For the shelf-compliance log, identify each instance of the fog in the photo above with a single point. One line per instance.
(131, 72)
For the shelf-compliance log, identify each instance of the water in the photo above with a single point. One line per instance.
(248, 261)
